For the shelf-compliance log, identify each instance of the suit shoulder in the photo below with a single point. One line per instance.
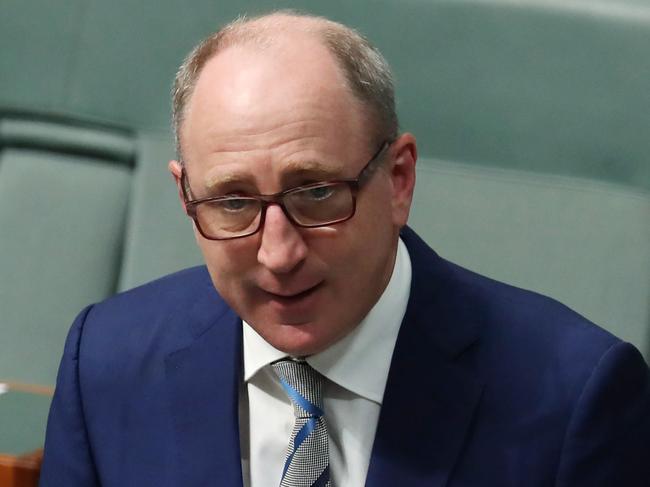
(178, 283)
(512, 323)
(527, 311)
(528, 339)
(161, 294)
(160, 313)
(126, 338)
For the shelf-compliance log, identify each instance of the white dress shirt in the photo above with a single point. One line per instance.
(356, 369)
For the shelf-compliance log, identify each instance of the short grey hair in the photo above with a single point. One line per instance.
(367, 72)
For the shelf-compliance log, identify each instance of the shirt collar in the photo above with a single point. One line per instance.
(360, 361)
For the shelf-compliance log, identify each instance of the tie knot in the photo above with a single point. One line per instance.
(303, 385)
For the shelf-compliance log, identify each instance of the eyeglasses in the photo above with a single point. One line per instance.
(309, 206)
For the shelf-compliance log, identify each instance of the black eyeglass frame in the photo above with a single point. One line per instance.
(265, 200)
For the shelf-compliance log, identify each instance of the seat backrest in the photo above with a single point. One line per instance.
(64, 195)
(583, 242)
(551, 86)
(159, 236)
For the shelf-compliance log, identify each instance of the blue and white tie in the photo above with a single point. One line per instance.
(307, 461)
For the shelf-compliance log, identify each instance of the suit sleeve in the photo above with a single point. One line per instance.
(67, 459)
(608, 438)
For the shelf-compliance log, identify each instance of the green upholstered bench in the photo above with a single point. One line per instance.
(64, 197)
(584, 242)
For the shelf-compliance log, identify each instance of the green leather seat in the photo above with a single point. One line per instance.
(584, 242)
(64, 197)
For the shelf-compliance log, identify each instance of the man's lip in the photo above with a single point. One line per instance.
(293, 295)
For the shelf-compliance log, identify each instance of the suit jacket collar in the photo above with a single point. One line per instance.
(203, 378)
(431, 393)
(430, 397)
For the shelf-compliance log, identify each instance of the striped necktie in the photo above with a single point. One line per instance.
(307, 461)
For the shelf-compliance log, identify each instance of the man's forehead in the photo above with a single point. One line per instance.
(243, 100)
(292, 105)
(246, 76)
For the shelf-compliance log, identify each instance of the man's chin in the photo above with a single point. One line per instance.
(297, 339)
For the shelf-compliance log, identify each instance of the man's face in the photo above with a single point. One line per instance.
(263, 121)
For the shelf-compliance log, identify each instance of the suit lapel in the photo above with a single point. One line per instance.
(431, 393)
(430, 399)
(203, 379)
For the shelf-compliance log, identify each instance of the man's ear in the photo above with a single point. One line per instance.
(176, 171)
(404, 154)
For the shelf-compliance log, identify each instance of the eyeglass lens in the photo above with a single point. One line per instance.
(312, 206)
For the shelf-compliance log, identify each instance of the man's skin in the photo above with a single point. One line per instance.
(262, 120)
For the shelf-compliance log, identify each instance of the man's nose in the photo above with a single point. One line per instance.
(282, 246)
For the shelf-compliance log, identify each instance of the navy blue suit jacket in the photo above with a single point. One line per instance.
(489, 386)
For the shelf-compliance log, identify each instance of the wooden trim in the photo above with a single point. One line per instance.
(29, 460)
(31, 388)
(20, 471)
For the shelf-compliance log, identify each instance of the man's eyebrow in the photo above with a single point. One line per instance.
(312, 168)
(290, 171)
(216, 180)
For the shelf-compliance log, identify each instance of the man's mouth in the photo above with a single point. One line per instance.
(292, 298)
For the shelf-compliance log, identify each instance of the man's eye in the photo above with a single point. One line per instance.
(319, 193)
(236, 204)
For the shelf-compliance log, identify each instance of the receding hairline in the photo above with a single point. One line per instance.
(267, 30)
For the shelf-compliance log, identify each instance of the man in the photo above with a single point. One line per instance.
(400, 367)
